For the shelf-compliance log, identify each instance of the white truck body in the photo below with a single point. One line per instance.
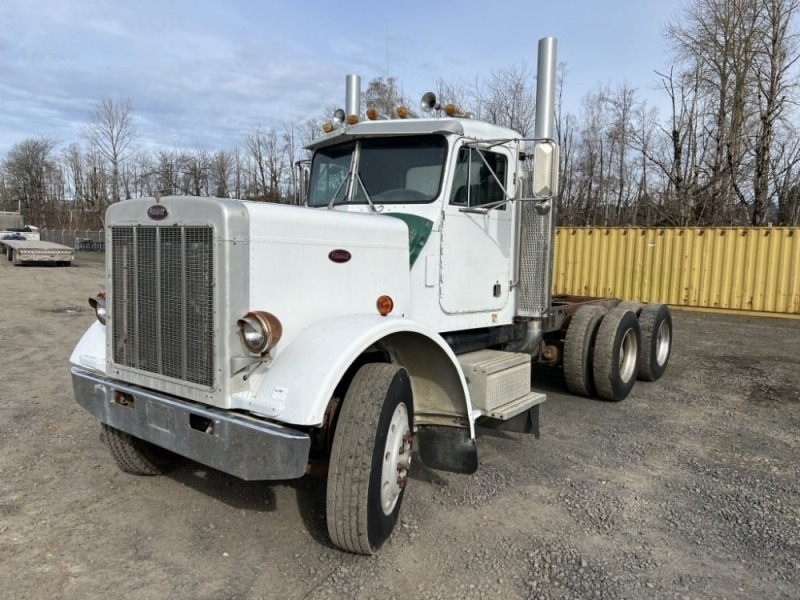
(403, 304)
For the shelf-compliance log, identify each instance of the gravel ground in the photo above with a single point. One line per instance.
(688, 489)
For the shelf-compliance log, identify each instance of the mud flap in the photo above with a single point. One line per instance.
(447, 449)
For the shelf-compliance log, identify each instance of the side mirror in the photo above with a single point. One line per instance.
(545, 170)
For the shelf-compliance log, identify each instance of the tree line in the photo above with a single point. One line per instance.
(726, 153)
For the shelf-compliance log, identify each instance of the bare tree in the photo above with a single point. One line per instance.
(27, 168)
(677, 158)
(269, 163)
(622, 103)
(785, 175)
(742, 56)
(454, 92)
(776, 54)
(509, 99)
(221, 168)
(111, 131)
(384, 95)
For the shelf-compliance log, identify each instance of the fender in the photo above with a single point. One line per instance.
(297, 386)
(90, 352)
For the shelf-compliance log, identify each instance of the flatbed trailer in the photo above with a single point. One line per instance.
(29, 251)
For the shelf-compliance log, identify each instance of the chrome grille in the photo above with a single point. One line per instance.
(162, 308)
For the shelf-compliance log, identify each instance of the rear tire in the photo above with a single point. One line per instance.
(579, 349)
(370, 458)
(616, 355)
(655, 321)
(136, 456)
(631, 305)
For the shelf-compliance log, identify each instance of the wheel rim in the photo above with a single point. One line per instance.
(663, 338)
(396, 459)
(627, 355)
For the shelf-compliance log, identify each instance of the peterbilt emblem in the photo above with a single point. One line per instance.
(339, 255)
(157, 212)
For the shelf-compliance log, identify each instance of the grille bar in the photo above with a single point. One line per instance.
(162, 286)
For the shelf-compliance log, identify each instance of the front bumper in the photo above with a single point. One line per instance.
(230, 442)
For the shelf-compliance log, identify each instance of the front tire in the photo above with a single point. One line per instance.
(136, 456)
(370, 458)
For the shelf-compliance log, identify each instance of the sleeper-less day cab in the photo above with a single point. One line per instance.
(388, 317)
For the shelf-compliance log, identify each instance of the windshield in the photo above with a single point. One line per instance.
(393, 169)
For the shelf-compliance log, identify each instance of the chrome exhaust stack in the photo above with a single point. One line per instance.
(545, 88)
(352, 101)
(537, 220)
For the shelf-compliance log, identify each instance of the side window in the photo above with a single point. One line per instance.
(473, 182)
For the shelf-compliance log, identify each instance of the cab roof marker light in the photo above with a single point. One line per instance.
(373, 115)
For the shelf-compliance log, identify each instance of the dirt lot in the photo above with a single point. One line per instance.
(688, 489)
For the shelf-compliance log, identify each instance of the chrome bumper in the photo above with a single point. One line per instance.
(230, 442)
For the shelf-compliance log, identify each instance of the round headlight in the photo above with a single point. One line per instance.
(260, 331)
(253, 336)
(98, 303)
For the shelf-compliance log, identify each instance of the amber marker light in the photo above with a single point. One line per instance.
(385, 305)
(450, 110)
(327, 127)
(352, 119)
(372, 114)
(402, 112)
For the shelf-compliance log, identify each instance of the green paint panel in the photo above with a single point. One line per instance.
(419, 230)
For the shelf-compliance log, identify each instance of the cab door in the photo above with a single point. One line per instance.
(476, 248)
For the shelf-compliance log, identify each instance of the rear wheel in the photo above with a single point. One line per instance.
(370, 458)
(136, 456)
(579, 348)
(656, 323)
(616, 354)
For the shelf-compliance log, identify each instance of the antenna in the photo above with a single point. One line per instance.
(387, 49)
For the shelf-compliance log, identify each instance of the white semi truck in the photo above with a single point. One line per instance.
(401, 307)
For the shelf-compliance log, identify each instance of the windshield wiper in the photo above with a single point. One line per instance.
(353, 181)
(372, 205)
(336, 193)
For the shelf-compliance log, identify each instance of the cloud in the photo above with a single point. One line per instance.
(206, 71)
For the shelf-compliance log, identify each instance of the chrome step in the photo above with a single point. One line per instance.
(515, 407)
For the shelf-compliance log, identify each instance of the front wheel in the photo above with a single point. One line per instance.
(136, 456)
(370, 458)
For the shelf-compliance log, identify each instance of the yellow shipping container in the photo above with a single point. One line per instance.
(754, 269)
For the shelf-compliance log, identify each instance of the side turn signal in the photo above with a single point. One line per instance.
(385, 305)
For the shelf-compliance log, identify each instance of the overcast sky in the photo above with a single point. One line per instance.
(202, 72)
